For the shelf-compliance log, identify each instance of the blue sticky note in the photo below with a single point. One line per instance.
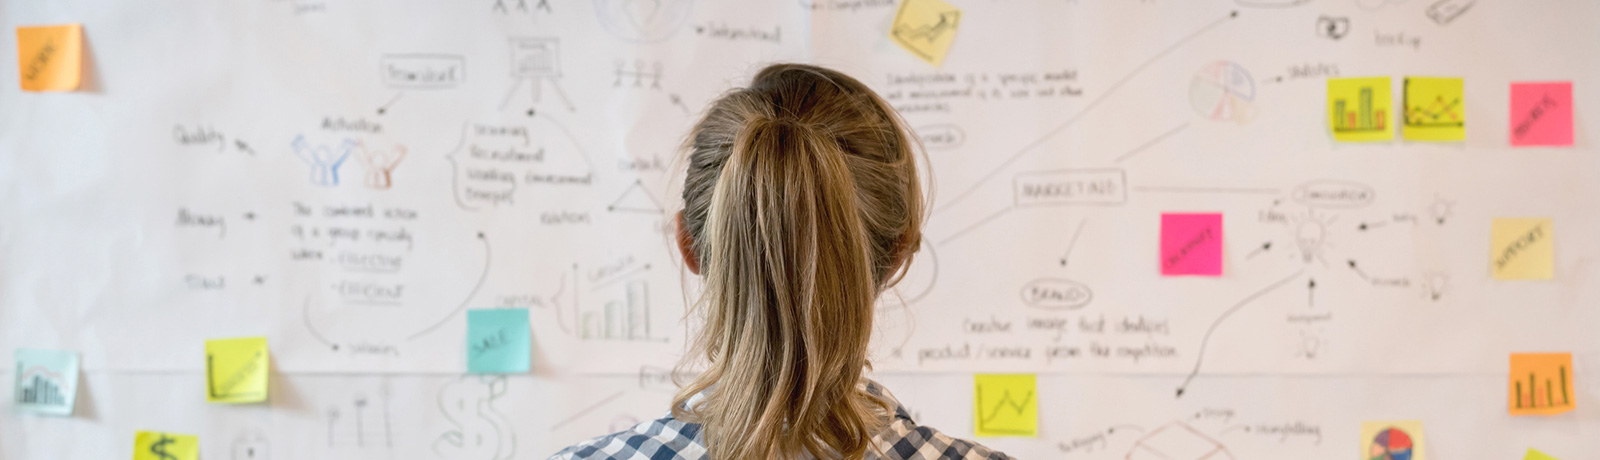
(46, 381)
(499, 341)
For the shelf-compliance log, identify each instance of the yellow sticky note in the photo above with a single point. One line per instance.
(1534, 454)
(155, 445)
(926, 28)
(1005, 405)
(1540, 384)
(1522, 249)
(1392, 440)
(1435, 109)
(50, 58)
(1359, 109)
(236, 370)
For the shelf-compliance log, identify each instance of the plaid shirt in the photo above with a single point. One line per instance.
(667, 438)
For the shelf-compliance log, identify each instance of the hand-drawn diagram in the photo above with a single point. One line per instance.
(494, 161)
(522, 6)
(251, 445)
(536, 60)
(340, 329)
(638, 73)
(361, 424)
(380, 164)
(625, 319)
(1223, 91)
(1333, 28)
(323, 160)
(480, 431)
(1178, 441)
(636, 199)
(643, 21)
(1444, 12)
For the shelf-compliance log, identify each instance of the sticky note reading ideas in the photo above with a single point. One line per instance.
(1435, 109)
(46, 381)
(1522, 249)
(498, 341)
(1359, 109)
(236, 370)
(1005, 405)
(1191, 244)
(1540, 384)
(926, 28)
(1541, 114)
(155, 445)
(50, 58)
(1392, 440)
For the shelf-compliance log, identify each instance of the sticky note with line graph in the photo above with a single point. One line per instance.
(1435, 109)
(926, 28)
(236, 370)
(1005, 405)
(1540, 384)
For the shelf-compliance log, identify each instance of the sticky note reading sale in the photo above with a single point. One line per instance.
(1435, 109)
(1522, 249)
(1394, 440)
(1359, 109)
(1541, 114)
(50, 58)
(155, 445)
(46, 381)
(1540, 384)
(926, 28)
(499, 341)
(1005, 405)
(236, 370)
(1191, 244)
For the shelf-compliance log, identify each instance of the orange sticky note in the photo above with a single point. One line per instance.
(50, 58)
(1540, 384)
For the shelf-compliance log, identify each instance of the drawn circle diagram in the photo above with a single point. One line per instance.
(1391, 444)
(1223, 91)
(643, 21)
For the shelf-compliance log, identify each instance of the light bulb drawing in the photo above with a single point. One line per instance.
(1311, 236)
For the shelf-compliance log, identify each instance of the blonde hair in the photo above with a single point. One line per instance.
(802, 205)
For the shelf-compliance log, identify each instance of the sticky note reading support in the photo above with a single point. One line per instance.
(1534, 454)
(155, 445)
(1522, 249)
(499, 341)
(236, 370)
(50, 58)
(1359, 109)
(46, 381)
(1005, 405)
(1392, 440)
(1541, 114)
(1540, 384)
(926, 28)
(1191, 244)
(1435, 109)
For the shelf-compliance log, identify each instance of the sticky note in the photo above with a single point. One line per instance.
(1005, 405)
(1522, 249)
(1540, 384)
(499, 341)
(1191, 244)
(236, 370)
(1534, 454)
(1392, 440)
(1541, 114)
(50, 58)
(926, 28)
(1435, 109)
(46, 381)
(155, 445)
(1359, 109)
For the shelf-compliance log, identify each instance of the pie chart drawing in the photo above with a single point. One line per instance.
(1223, 91)
(1390, 444)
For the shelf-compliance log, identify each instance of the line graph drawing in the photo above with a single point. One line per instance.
(1438, 112)
(930, 33)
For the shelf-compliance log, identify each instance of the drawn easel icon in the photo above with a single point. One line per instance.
(536, 60)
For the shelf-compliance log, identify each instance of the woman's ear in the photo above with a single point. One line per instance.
(909, 244)
(686, 247)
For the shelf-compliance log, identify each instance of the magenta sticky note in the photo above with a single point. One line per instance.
(1191, 244)
(1541, 113)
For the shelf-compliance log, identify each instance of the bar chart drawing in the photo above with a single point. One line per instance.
(43, 388)
(1552, 386)
(1541, 383)
(626, 319)
(1359, 109)
(1363, 118)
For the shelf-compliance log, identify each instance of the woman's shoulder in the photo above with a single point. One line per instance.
(904, 439)
(665, 438)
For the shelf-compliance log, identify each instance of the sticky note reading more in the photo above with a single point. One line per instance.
(46, 381)
(926, 28)
(1005, 405)
(155, 445)
(1540, 384)
(50, 58)
(1359, 109)
(499, 341)
(1435, 109)
(1191, 244)
(1392, 440)
(1522, 249)
(236, 370)
(1541, 114)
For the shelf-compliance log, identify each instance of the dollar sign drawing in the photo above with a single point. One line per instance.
(481, 432)
(159, 448)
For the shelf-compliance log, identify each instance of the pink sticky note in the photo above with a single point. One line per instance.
(1191, 244)
(1541, 113)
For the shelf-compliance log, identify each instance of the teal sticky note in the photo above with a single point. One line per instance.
(499, 341)
(46, 381)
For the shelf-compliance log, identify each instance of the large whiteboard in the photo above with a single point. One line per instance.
(347, 177)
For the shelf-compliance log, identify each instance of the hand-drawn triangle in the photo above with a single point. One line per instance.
(636, 199)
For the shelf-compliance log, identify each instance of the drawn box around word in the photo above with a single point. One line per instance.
(1072, 186)
(422, 71)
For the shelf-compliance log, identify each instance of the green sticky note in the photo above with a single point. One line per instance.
(46, 381)
(499, 341)
(236, 370)
(1534, 454)
(1005, 405)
